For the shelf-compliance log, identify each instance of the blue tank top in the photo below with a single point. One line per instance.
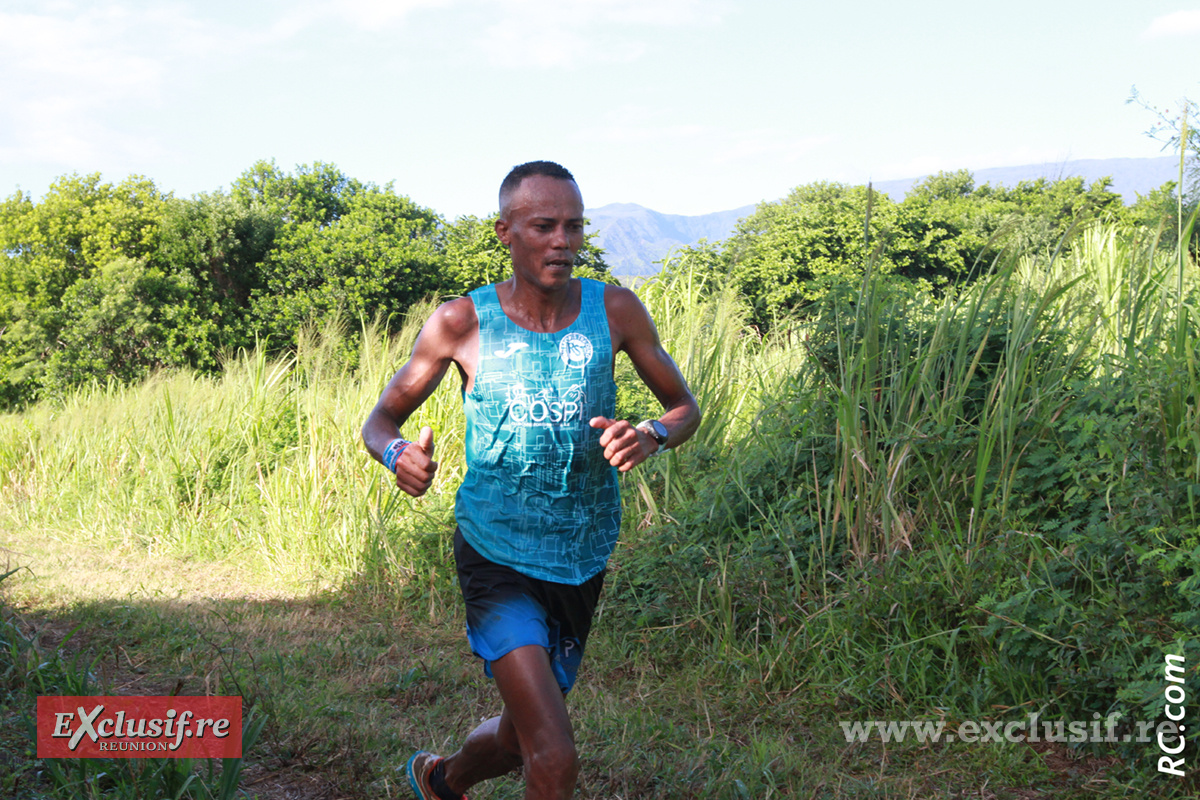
(539, 496)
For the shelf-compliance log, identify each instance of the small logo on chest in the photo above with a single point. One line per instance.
(575, 350)
(512, 348)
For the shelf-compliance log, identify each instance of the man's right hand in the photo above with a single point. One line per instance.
(415, 467)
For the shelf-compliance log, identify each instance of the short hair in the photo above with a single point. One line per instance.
(548, 169)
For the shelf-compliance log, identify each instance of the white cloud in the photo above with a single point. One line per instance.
(59, 51)
(643, 134)
(572, 32)
(75, 75)
(635, 124)
(82, 82)
(665, 13)
(61, 71)
(510, 43)
(767, 143)
(1177, 23)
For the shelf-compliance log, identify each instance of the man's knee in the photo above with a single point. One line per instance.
(555, 762)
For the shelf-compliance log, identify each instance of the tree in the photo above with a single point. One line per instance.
(220, 244)
(102, 282)
(970, 226)
(789, 253)
(1156, 211)
(794, 251)
(318, 193)
(123, 322)
(1046, 212)
(341, 248)
(81, 225)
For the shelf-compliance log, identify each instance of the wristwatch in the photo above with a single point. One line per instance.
(657, 431)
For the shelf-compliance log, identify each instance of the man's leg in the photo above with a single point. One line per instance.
(534, 729)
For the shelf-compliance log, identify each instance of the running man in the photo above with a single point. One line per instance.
(539, 511)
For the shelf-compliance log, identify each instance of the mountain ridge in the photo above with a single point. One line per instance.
(635, 238)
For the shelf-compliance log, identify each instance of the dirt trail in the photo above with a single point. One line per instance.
(62, 592)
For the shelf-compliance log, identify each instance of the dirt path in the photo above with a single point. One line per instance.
(157, 625)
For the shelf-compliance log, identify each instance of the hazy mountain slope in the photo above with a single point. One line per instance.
(1131, 176)
(636, 238)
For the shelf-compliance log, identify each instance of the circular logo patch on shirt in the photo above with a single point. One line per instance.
(575, 349)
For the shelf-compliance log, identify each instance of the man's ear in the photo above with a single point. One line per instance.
(502, 230)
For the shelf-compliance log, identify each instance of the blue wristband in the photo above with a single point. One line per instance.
(392, 452)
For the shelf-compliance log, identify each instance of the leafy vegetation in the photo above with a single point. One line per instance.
(945, 233)
(101, 282)
(948, 471)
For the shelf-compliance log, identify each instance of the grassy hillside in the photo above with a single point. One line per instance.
(906, 507)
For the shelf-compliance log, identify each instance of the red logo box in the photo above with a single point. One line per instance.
(139, 727)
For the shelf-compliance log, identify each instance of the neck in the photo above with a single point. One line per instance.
(539, 308)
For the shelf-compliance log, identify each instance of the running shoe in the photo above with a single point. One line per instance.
(419, 767)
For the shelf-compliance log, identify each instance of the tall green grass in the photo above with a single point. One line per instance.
(946, 505)
(261, 464)
(955, 505)
(264, 463)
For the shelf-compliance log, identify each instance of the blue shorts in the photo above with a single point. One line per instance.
(507, 610)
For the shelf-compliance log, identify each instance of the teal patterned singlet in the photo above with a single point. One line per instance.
(539, 495)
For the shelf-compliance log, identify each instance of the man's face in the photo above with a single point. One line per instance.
(542, 225)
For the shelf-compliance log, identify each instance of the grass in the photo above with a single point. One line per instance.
(350, 689)
(33, 667)
(901, 507)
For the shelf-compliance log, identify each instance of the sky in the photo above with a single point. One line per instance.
(684, 106)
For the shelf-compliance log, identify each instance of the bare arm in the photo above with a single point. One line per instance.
(633, 332)
(444, 340)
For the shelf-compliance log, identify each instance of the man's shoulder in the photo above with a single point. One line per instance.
(621, 304)
(628, 319)
(619, 298)
(454, 320)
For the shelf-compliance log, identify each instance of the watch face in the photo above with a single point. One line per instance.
(655, 429)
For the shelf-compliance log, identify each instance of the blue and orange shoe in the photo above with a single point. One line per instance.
(419, 768)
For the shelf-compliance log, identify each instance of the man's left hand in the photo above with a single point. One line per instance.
(624, 445)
